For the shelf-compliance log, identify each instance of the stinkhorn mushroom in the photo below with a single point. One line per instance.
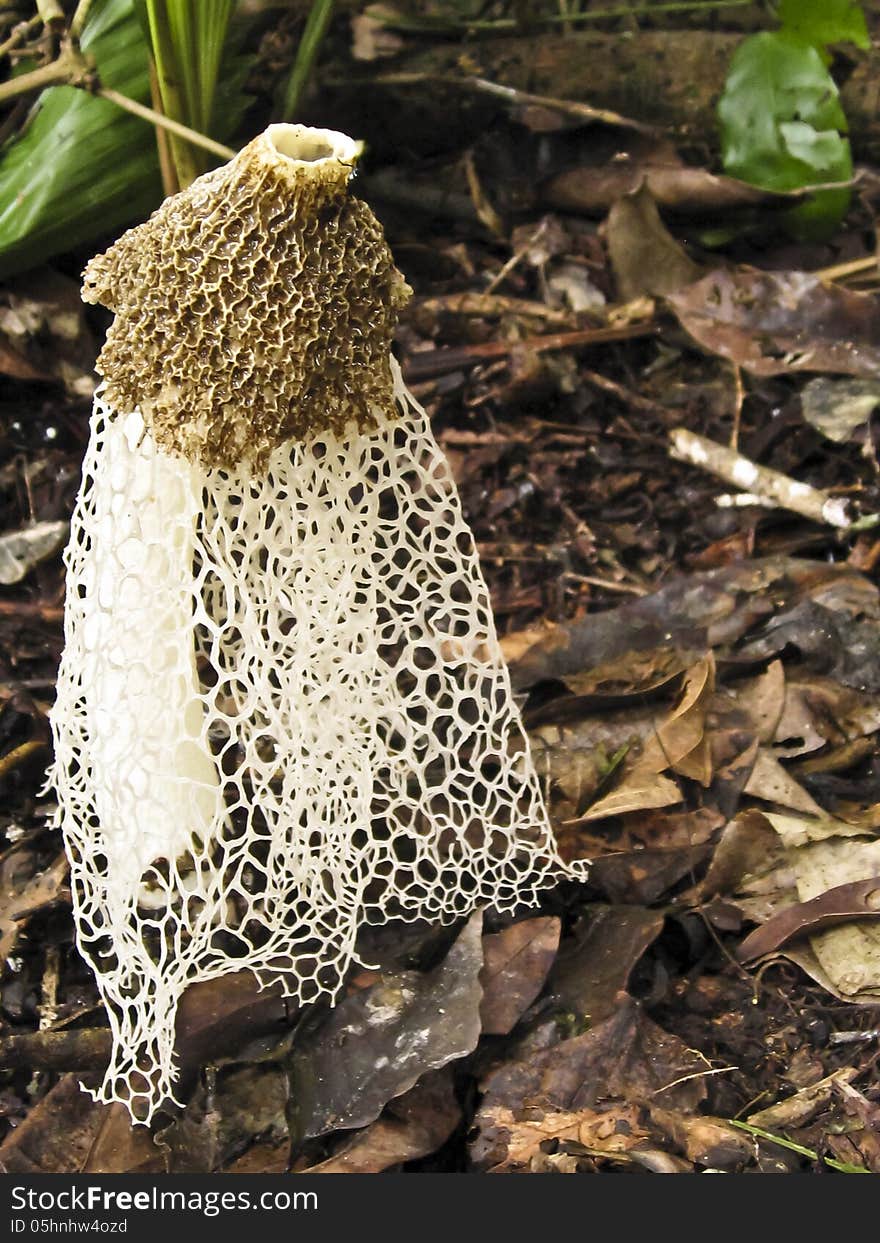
(282, 709)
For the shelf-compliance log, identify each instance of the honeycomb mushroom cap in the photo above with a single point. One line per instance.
(254, 307)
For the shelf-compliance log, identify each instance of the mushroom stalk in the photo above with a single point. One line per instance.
(282, 709)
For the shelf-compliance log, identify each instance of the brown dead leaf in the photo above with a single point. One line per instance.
(842, 904)
(826, 853)
(57, 1135)
(646, 258)
(606, 1132)
(23, 895)
(761, 701)
(639, 790)
(696, 612)
(606, 173)
(413, 1126)
(770, 782)
(706, 1141)
(121, 1148)
(775, 323)
(627, 1058)
(644, 876)
(262, 1158)
(681, 742)
(217, 1017)
(515, 965)
(591, 975)
(750, 867)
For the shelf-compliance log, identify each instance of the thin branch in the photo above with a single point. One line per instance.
(80, 16)
(432, 363)
(50, 11)
(19, 34)
(173, 127)
(70, 68)
(771, 487)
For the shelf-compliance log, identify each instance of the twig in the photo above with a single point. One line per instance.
(50, 11)
(79, 19)
(838, 271)
(516, 258)
(31, 608)
(432, 363)
(19, 34)
(70, 68)
(738, 398)
(156, 118)
(771, 486)
(626, 395)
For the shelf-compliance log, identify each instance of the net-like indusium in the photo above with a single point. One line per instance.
(282, 712)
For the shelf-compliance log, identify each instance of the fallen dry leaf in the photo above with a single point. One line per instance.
(21, 897)
(604, 1132)
(591, 975)
(515, 965)
(774, 323)
(856, 900)
(646, 258)
(706, 1141)
(57, 1135)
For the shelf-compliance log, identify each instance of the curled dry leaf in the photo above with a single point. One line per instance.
(706, 1141)
(773, 323)
(826, 853)
(856, 900)
(646, 258)
(519, 1141)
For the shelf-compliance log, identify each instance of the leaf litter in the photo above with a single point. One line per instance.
(699, 676)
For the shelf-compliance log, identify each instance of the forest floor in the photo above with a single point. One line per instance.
(699, 675)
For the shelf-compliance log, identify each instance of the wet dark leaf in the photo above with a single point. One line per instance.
(377, 1043)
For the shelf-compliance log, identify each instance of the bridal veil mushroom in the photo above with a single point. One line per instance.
(282, 710)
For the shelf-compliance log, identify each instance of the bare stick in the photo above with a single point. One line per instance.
(770, 486)
(156, 118)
